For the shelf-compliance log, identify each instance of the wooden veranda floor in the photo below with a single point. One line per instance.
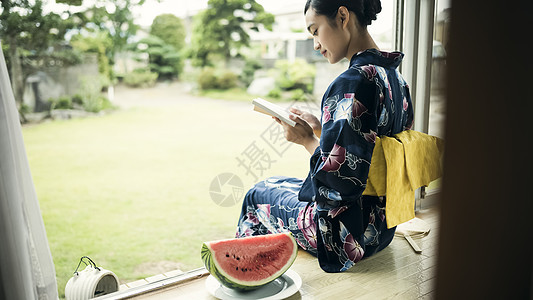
(396, 272)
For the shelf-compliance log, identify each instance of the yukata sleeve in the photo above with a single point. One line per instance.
(340, 165)
(407, 109)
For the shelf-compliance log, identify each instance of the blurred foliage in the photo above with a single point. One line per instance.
(275, 93)
(207, 79)
(163, 59)
(34, 39)
(170, 29)
(227, 80)
(77, 99)
(63, 102)
(70, 2)
(95, 42)
(31, 39)
(294, 75)
(250, 66)
(297, 94)
(211, 78)
(24, 24)
(219, 32)
(164, 46)
(140, 78)
(114, 18)
(89, 98)
(92, 98)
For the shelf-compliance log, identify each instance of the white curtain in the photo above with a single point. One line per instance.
(26, 266)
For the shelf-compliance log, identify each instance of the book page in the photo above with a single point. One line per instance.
(272, 109)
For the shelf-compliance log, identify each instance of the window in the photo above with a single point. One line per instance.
(421, 29)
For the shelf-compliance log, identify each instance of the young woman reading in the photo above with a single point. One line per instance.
(327, 212)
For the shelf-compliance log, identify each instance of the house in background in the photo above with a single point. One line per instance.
(290, 40)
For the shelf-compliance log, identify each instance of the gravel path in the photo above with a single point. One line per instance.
(162, 94)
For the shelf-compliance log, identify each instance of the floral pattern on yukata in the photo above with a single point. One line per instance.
(267, 218)
(358, 106)
(326, 212)
(260, 221)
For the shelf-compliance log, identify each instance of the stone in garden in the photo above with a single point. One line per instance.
(261, 86)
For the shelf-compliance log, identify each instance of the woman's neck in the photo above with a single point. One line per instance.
(360, 41)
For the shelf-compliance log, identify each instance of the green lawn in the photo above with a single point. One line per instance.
(132, 186)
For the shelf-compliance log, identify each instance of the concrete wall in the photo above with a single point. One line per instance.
(53, 82)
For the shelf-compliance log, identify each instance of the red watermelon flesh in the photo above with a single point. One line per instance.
(250, 262)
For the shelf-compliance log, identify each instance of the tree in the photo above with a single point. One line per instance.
(163, 58)
(29, 35)
(222, 28)
(170, 29)
(70, 2)
(97, 42)
(115, 18)
(163, 46)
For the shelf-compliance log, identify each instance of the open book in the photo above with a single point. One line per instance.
(272, 109)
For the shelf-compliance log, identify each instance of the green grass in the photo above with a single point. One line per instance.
(235, 94)
(132, 187)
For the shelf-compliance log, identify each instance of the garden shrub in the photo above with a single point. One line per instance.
(96, 104)
(140, 78)
(63, 102)
(163, 59)
(247, 75)
(294, 75)
(77, 99)
(227, 80)
(93, 100)
(24, 109)
(297, 94)
(88, 98)
(210, 79)
(207, 79)
(275, 93)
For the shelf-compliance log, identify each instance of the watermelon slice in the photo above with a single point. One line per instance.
(250, 262)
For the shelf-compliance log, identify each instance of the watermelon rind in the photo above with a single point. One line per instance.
(229, 281)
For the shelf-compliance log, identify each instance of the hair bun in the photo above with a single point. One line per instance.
(365, 10)
(371, 8)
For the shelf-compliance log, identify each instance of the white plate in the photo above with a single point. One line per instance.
(283, 287)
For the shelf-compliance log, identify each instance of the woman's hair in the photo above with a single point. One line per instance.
(365, 10)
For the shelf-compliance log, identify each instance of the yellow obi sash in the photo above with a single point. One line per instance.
(400, 165)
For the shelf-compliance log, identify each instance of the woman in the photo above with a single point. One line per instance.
(327, 212)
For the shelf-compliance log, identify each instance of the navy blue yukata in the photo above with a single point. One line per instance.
(326, 212)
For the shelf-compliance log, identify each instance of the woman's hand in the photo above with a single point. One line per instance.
(311, 119)
(302, 134)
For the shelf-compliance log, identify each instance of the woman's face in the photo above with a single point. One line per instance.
(331, 41)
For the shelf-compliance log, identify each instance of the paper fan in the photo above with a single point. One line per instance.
(415, 228)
